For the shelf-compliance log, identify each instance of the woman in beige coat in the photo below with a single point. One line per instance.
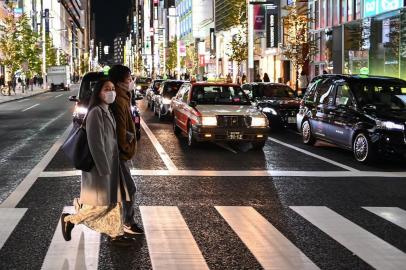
(102, 191)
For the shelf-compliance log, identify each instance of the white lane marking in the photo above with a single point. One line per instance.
(59, 96)
(170, 243)
(313, 155)
(161, 151)
(270, 247)
(14, 198)
(9, 218)
(81, 252)
(395, 215)
(321, 174)
(373, 250)
(23, 100)
(29, 108)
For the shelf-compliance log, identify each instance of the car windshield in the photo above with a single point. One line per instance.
(382, 96)
(171, 89)
(142, 80)
(87, 85)
(272, 91)
(221, 94)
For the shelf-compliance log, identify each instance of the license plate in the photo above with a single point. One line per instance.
(292, 120)
(234, 135)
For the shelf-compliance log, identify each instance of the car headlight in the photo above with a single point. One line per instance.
(389, 125)
(258, 122)
(80, 110)
(209, 121)
(269, 110)
(166, 101)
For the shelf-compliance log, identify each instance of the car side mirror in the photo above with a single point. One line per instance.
(73, 98)
(193, 104)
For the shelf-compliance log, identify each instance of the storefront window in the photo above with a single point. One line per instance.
(355, 54)
(374, 45)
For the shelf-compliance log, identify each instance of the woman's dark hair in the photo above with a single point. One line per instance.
(119, 73)
(95, 98)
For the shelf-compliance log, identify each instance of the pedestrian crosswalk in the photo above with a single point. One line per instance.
(171, 243)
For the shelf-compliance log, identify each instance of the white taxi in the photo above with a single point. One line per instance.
(218, 112)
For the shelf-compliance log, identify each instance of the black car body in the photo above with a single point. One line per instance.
(163, 98)
(365, 114)
(85, 92)
(277, 101)
(152, 90)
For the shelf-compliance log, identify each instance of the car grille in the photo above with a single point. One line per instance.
(231, 121)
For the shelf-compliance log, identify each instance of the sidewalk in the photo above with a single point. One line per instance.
(19, 95)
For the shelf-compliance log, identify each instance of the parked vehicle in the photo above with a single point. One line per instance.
(163, 98)
(142, 84)
(364, 114)
(277, 101)
(151, 91)
(218, 112)
(83, 97)
(58, 77)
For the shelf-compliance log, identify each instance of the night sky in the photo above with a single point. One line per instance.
(110, 18)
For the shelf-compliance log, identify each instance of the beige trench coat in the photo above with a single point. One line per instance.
(100, 185)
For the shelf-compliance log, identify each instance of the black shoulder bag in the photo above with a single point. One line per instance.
(77, 149)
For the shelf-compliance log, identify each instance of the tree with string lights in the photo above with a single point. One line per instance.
(299, 45)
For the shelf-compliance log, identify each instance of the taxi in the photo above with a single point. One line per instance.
(218, 112)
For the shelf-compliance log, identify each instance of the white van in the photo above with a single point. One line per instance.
(58, 77)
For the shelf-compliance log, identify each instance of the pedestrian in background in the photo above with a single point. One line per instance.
(102, 190)
(303, 82)
(258, 78)
(229, 79)
(266, 77)
(244, 79)
(121, 77)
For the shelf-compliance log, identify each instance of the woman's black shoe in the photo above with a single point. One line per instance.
(122, 241)
(67, 228)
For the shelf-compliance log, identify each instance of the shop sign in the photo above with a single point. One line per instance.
(202, 60)
(374, 7)
(182, 48)
(272, 30)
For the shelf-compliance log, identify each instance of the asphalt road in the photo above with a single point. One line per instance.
(287, 207)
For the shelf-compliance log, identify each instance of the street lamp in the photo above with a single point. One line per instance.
(176, 16)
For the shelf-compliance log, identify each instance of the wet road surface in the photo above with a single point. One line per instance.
(288, 207)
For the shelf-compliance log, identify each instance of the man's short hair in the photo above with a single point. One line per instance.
(119, 73)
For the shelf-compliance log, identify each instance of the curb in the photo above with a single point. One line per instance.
(19, 98)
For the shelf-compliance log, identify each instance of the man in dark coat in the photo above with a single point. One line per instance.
(124, 84)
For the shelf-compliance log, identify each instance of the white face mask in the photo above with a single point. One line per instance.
(131, 86)
(109, 97)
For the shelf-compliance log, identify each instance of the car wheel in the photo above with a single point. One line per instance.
(155, 109)
(307, 135)
(191, 142)
(258, 145)
(175, 127)
(362, 149)
(160, 116)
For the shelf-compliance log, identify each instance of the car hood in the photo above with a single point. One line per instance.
(397, 116)
(213, 110)
(279, 102)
